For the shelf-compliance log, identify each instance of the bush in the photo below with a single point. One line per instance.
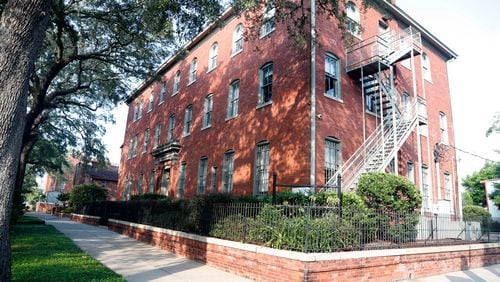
(86, 193)
(474, 213)
(147, 196)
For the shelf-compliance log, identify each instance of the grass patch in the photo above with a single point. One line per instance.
(41, 253)
(30, 220)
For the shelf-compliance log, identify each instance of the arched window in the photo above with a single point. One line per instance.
(261, 176)
(268, 19)
(170, 130)
(202, 175)
(227, 171)
(188, 116)
(192, 70)
(177, 80)
(150, 102)
(212, 60)
(233, 98)
(265, 84)
(353, 18)
(237, 39)
(332, 76)
(332, 157)
(207, 111)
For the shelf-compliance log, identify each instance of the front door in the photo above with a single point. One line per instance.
(165, 182)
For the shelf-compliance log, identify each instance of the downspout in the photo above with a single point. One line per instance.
(313, 95)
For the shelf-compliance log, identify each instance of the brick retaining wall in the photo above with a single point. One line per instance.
(86, 219)
(268, 264)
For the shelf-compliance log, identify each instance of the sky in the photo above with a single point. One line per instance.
(471, 29)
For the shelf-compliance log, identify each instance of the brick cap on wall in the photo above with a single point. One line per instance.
(309, 257)
(85, 216)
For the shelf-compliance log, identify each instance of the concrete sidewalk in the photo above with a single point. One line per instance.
(134, 260)
(482, 274)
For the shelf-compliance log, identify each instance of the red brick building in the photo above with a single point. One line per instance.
(229, 112)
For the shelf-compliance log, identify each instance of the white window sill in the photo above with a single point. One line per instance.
(191, 82)
(236, 53)
(232, 117)
(334, 98)
(175, 94)
(372, 113)
(210, 70)
(161, 102)
(206, 127)
(186, 134)
(264, 105)
(264, 35)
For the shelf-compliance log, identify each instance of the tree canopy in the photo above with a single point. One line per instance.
(473, 185)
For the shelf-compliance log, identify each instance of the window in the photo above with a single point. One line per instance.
(332, 157)
(157, 135)
(261, 168)
(266, 84)
(150, 103)
(134, 150)
(151, 184)
(426, 67)
(207, 111)
(443, 125)
(136, 112)
(353, 19)
(332, 81)
(182, 180)
(163, 91)
(202, 175)
(165, 182)
(227, 172)
(170, 130)
(212, 60)
(139, 115)
(213, 180)
(177, 81)
(232, 100)
(371, 103)
(188, 115)
(425, 188)
(447, 186)
(392, 166)
(268, 19)
(406, 100)
(139, 184)
(145, 141)
(410, 171)
(192, 71)
(237, 39)
(130, 148)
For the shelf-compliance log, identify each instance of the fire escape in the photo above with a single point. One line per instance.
(371, 63)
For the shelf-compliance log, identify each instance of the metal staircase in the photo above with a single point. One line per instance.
(397, 120)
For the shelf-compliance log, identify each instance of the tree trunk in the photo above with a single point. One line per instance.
(22, 29)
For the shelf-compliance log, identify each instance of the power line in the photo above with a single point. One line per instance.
(472, 154)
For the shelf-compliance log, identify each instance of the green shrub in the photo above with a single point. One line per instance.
(86, 193)
(233, 227)
(474, 213)
(147, 196)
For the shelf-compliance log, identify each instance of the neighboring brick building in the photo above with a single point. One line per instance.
(77, 173)
(229, 112)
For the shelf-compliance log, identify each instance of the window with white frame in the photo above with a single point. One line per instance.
(188, 116)
(268, 19)
(192, 70)
(177, 81)
(410, 171)
(261, 168)
(145, 140)
(425, 188)
(426, 67)
(182, 180)
(371, 103)
(151, 184)
(139, 184)
(227, 172)
(207, 111)
(130, 148)
(213, 180)
(353, 19)
(332, 81)
(332, 157)
(266, 84)
(125, 187)
(171, 126)
(202, 175)
(136, 112)
(232, 99)
(406, 100)
(150, 103)
(237, 39)
(134, 150)
(447, 186)
(212, 60)
(157, 135)
(165, 182)
(443, 126)
(139, 115)
(163, 92)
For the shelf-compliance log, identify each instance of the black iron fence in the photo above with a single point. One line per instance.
(330, 229)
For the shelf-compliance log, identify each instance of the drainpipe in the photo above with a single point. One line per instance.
(313, 95)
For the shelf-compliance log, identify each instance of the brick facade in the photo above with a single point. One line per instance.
(285, 123)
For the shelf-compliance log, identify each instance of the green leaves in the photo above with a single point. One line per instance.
(473, 182)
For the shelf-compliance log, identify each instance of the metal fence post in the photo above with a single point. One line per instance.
(274, 188)
(339, 193)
